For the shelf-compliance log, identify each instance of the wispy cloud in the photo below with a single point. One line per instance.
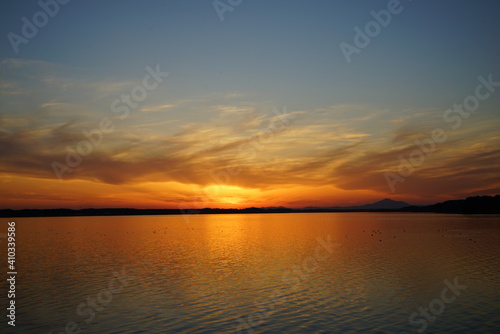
(159, 108)
(177, 143)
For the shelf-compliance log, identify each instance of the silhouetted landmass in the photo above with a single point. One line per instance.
(385, 204)
(470, 205)
(130, 212)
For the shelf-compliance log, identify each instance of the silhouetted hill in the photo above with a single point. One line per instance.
(383, 205)
(477, 204)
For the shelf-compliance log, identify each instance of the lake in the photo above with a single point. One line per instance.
(257, 273)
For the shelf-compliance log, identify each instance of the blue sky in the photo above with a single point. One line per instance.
(287, 49)
(264, 55)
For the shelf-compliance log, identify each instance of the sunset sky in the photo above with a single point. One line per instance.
(259, 109)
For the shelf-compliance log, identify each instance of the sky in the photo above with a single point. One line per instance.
(230, 103)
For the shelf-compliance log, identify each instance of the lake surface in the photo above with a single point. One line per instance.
(257, 273)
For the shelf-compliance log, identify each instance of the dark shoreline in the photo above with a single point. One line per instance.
(470, 205)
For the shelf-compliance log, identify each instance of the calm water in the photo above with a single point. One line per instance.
(274, 273)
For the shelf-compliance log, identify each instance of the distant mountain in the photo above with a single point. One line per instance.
(385, 204)
(474, 205)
